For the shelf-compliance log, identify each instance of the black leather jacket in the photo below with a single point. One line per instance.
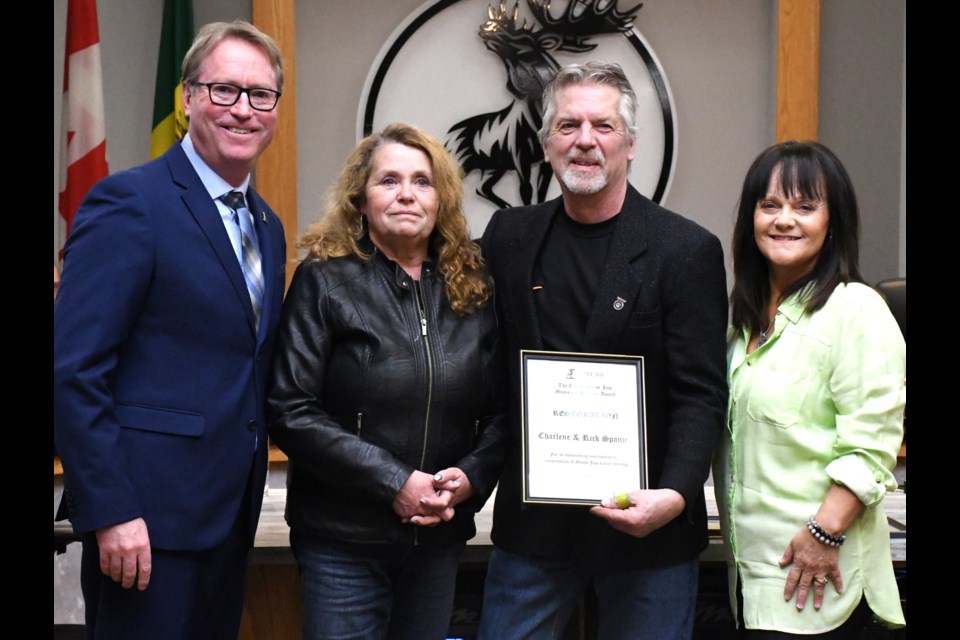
(374, 376)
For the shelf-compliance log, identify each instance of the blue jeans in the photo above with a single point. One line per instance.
(373, 591)
(533, 599)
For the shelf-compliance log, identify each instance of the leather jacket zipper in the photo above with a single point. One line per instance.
(359, 422)
(422, 309)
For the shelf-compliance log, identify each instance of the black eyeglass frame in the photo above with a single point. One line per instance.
(240, 92)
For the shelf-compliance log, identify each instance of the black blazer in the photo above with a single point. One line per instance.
(670, 272)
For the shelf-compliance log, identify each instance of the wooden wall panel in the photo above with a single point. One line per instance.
(276, 176)
(798, 69)
(272, 610)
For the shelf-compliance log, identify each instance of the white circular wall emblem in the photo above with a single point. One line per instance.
(471, 73)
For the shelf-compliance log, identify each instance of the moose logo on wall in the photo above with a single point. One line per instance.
(479, 90)
(506, 140)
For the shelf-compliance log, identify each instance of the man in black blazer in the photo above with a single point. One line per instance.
(605, 270)
(164, 325)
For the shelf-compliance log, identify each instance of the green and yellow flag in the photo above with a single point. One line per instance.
(169, 121)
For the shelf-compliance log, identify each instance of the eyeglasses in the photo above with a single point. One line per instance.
(224, 94)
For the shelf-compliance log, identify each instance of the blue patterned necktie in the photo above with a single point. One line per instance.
(250, 254)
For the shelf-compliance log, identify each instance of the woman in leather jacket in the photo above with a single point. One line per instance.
(384, 394)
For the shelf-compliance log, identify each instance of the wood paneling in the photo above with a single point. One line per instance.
(276, 176)
(798, 69)
(272, 610)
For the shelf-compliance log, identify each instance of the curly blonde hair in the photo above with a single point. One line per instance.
(342, 230)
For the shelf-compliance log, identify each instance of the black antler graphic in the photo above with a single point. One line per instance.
(506, 140)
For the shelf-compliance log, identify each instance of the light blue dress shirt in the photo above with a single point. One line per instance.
(217, 187)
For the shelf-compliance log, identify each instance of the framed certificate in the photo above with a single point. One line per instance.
(584, 426)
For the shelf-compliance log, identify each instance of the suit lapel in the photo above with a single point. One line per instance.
(204, 211)
(526, 247)
(620, 281)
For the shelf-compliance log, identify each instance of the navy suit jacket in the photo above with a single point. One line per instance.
(662, 295)
(159, 370)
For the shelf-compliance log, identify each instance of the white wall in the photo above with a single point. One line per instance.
(862, 118)
(718, 57)
(903, 162)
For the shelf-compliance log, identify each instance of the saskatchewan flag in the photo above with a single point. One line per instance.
(169, 121)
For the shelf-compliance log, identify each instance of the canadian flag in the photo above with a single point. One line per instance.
(83, 143)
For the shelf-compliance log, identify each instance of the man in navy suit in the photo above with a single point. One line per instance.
(604, 270)
(163, 330)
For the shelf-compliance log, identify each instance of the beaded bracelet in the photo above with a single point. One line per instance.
(823, 536)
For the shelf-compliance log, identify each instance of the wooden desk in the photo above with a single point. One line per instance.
(272, 610)
(273, 536)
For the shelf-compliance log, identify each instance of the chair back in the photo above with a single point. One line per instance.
(894, 291)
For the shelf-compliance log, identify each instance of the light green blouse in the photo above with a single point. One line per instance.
(821, 402)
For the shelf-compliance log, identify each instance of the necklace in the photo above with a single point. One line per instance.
(766, 333)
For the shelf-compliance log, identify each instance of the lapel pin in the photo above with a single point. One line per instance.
(619, 303)
(263, 214)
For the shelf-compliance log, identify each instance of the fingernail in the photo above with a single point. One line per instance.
(438, 477)
(423, 501)
(455, 483)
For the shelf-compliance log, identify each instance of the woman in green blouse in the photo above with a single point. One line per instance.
(816, 366)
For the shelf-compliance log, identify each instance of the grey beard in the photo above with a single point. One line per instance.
(581, 184)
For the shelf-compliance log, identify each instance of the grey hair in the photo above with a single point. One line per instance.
(594, 72)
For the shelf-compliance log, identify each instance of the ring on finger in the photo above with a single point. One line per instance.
(823, 581)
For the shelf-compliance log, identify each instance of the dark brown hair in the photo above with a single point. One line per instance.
(808, 170)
